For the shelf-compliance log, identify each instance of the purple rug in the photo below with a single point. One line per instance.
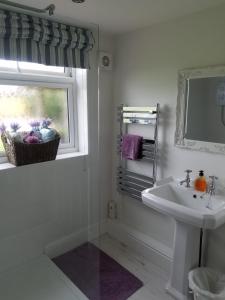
(96, 274)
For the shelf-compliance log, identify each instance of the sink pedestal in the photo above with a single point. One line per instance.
(185, 257)
(191, 214)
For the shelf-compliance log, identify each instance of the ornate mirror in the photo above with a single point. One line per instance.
(201, 109)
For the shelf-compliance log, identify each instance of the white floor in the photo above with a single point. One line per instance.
(40, 279)
(153, 278)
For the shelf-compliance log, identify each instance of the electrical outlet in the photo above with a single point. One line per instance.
(112, 210)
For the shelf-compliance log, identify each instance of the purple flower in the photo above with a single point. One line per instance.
(15, 126)
(2, 128)
(32, 139)
(46, 122)
(35, 124)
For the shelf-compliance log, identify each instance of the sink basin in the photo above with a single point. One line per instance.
(193, 214)
(186, 205)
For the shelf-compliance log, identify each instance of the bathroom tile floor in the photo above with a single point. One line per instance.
(153, 277)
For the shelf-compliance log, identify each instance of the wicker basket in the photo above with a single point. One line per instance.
(20, 154)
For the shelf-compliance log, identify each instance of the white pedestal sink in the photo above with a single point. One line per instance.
(191, 213)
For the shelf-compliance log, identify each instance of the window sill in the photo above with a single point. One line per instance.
(7, 165)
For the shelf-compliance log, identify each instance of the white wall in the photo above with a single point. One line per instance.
(147, 63)
(39, 204)
(43, 203)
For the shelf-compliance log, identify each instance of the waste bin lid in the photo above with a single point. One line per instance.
(207, 282)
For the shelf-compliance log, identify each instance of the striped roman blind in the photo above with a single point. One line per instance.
(32, 39)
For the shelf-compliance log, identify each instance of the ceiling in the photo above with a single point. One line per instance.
(118, 16)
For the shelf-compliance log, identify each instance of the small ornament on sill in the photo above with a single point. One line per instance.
(46, 123)
(14, 131)
(35, 125)
(32, 138)
(24, 147)
(15, 127)
(46, 132)
(2, 128)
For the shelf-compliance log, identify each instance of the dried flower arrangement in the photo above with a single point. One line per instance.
(37, 145)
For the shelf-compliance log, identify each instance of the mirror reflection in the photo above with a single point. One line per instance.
(205, 109)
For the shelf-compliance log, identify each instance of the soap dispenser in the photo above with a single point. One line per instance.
(200, 183)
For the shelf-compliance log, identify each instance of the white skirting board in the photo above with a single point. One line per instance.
(153, 250)
(66, 243)
(74, 240)
(156, 252)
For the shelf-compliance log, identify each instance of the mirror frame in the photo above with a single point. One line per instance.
(181, 110)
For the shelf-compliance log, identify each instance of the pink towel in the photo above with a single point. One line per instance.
(131, 146)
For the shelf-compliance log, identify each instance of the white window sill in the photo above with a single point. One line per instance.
(7, 165)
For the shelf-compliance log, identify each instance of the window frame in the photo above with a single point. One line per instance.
(50, 80)
(20, 70)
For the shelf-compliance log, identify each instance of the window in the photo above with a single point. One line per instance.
(30, 91)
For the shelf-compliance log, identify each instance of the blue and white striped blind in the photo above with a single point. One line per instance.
(32, 39)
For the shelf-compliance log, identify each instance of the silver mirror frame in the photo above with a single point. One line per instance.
(181, 111)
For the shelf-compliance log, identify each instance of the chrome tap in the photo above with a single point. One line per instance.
(211, 190)
(187, 180)
(212, 185)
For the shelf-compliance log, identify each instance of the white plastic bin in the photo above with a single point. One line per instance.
(207, 284)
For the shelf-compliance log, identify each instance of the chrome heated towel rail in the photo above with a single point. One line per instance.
(129, 182)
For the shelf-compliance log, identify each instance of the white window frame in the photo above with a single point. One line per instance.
(49, 80)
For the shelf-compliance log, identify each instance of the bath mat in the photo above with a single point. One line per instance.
(96, 274)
